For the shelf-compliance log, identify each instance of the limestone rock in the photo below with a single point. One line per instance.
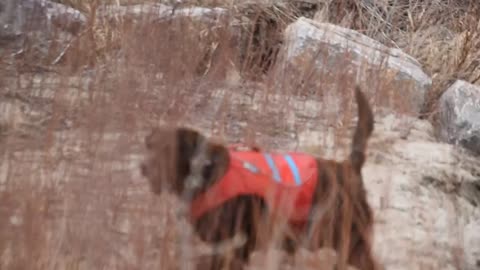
(460, 115)
(18, 17)
(39, 31)
(323, 51)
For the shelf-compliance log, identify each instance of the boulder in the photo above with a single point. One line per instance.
(39, 30)
(460, 115)
(327, 55)
(19, 17)
(10, 27)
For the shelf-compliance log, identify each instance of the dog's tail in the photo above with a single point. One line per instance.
(363, 130)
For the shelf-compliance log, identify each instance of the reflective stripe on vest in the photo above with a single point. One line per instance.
(291, 164)
(293, 169)
(273, 167)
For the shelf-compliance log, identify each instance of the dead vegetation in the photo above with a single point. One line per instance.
(441, 35)
(70, 193)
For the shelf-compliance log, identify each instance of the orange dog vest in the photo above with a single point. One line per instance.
(285, 181)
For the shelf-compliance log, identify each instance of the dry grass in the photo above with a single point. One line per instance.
(70, 193)
(441, 35)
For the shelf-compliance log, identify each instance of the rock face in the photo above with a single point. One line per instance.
(38, 29)
(19, 17)
(327, 50)
(10, 27)
(425, 194)
(460, 115)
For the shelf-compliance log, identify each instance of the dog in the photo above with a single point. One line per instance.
(231, 191)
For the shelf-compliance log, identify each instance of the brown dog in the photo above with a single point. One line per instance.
(339, 216)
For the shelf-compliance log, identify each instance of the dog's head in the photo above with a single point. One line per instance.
(182, 160)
